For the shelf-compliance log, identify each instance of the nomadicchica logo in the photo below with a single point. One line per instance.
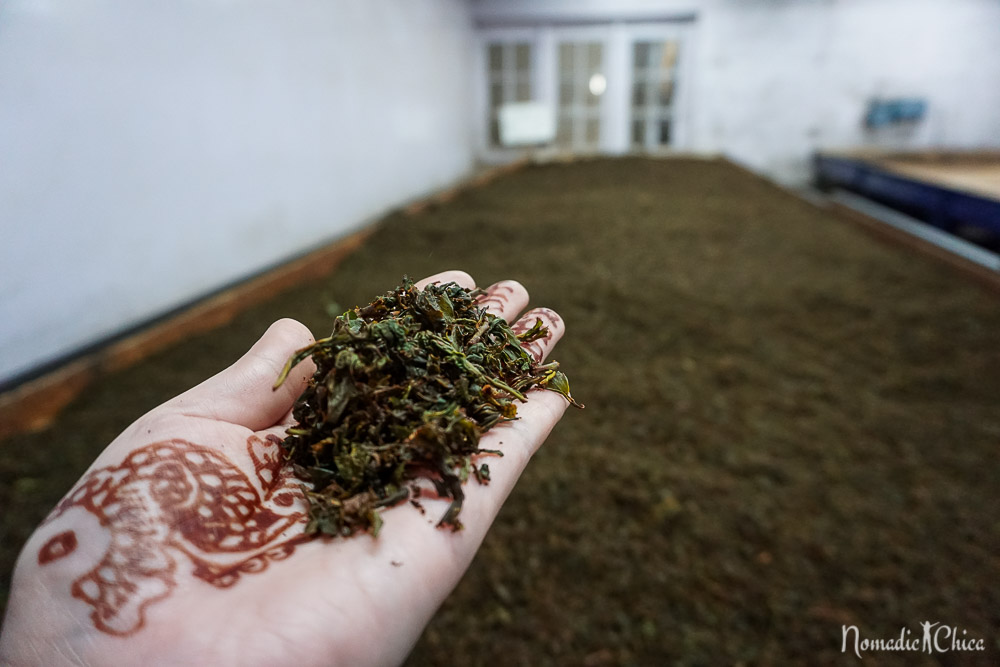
(934, 638)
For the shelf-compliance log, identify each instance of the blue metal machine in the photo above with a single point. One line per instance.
(951, 209)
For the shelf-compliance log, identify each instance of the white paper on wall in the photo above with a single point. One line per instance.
(527, 124)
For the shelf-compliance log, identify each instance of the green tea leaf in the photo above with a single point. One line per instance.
(403, 390)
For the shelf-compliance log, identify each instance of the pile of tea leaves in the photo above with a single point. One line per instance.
(404, 388)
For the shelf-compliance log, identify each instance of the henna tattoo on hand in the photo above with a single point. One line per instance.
(496, 297)
(58, 547)
(178, 497)
(536, 348)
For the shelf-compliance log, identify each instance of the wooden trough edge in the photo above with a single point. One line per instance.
(973, 271)
(33, 405)
(885, 233)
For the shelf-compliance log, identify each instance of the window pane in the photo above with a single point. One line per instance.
(669, 57)
(638, 95)
(564, 131)
(641, 54)
(566, 58)
(655, 55)
(666, 92)
(565, 93)
(638, 133)
(594, 51)
(523, 92)
(496, 95)
(593, 133)
(496, 57)
(664, 132)
(522, 57)
(495, 133)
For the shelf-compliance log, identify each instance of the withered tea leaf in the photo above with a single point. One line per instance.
(403, 390)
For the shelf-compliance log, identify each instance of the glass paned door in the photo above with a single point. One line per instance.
(582, 84)
(654, 84)
(509, 65)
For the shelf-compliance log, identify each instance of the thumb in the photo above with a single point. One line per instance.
(243, 394)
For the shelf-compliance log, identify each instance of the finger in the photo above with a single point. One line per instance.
(518, 440)
(505, 299)
(540, 348)
(521, 438)
(460, 277)
(243, 393)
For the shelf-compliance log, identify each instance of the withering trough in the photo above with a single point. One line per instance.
(790, 427)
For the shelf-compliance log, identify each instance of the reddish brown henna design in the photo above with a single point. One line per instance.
(536, 348)
(59, 546)
(175, 496)
(496, 297)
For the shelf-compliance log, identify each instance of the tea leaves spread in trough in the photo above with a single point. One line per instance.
(404, 388)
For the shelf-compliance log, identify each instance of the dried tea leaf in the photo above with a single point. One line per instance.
(403, 390)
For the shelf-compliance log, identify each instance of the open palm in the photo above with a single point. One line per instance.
(183, 543)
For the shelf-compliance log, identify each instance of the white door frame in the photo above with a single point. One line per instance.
(483, 40)
(616, 104)
(683, 34)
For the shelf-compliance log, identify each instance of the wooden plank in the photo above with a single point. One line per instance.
(977, 178)
(974, 172)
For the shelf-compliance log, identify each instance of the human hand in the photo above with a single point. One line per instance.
(183, 543)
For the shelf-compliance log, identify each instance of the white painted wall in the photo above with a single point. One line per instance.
(773, 80)
(779, 79)
(153, 151)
